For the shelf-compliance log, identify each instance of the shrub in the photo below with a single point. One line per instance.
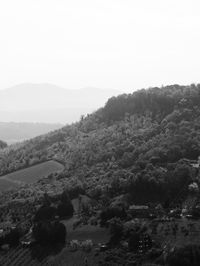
(65, 210)
(112, 212)
(49, 232)
(45, 214)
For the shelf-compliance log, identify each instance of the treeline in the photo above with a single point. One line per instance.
(157, 102)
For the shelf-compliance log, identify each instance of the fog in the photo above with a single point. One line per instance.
(118, 44)
(47, 103)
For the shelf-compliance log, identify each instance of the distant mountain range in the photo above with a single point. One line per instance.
(15, 132)
(47, 103)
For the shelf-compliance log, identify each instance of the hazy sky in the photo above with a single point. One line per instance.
(122, 44)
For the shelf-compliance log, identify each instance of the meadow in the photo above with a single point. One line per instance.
(29, 175)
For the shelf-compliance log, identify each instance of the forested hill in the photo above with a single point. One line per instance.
(137, 144)
(3, 144)
(155, 102)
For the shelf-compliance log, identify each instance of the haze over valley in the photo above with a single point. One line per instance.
(12, 132)
(29, 110)
(47, 103)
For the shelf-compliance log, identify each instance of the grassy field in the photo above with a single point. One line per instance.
(77, 258)
(29, 175)
(7, 184)
(83, 232)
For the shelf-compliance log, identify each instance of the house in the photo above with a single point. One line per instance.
(194, 163)
(140, 211)
(27, 239)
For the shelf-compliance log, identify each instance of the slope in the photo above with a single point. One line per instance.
(138, 144)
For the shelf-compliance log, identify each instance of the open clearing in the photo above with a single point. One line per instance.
(7, 184)
(84, 232)
(29, 175)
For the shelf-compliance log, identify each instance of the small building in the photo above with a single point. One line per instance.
(27, 240)
(74, 245)
(139, 211)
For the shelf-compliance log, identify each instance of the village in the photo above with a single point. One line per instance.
(157, 228)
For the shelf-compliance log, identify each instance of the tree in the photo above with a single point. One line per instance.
(45, 213)
(65, 207)
(65, 210)
(111, 212)
(134, 241)
(49, 232)
(116, 230)
(65, 197)
(3, 144)
(12, 238)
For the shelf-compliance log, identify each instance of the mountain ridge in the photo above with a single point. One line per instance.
(49, 103)
(136, 141)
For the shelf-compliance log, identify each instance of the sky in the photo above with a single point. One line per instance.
(119, 44)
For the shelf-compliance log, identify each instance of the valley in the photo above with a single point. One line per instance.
(13, 132)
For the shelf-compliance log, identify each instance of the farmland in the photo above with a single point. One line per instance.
(38, 255)
(7, 184)
(29, 175)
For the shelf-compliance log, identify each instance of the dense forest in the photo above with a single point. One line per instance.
(138, 144)
(3, 144)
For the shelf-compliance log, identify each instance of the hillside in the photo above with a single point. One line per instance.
(29, 175)
(11, 132)
(138, 144)
(47, 103)
(3, 144)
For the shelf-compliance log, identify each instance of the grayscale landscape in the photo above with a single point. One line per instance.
(99, 133)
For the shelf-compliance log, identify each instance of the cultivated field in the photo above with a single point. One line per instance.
(29, 175)
(7, 184)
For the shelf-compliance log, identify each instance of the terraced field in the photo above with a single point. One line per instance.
(7, 184)
(22, 257)
(29, 175)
